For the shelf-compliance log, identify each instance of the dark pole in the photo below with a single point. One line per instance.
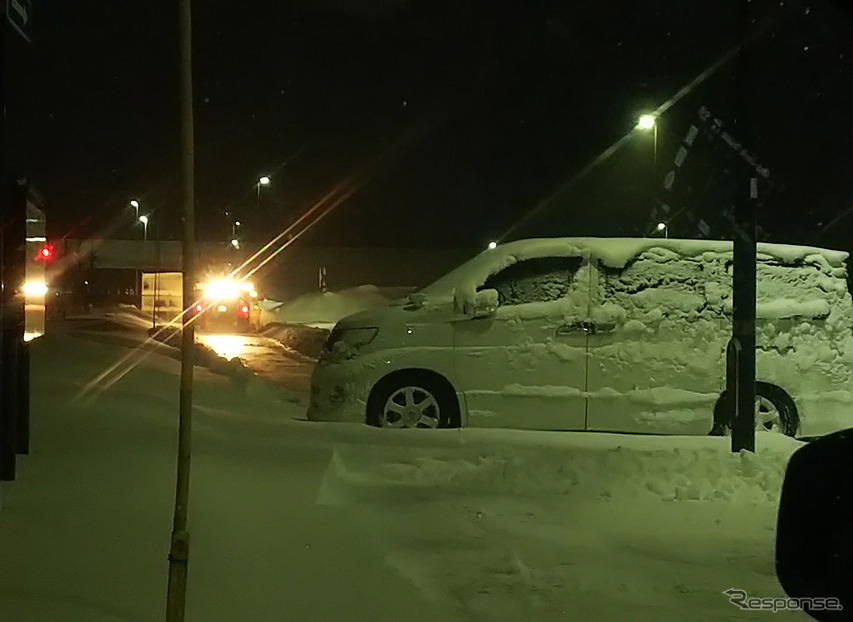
(742, 346)
(180, 544)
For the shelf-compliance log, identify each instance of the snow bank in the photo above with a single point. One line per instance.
(323, 309)
(584, 465)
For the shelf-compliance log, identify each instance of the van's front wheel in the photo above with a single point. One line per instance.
(774, 411)
(413, 400)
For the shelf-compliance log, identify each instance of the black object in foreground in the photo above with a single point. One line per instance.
(814, 538)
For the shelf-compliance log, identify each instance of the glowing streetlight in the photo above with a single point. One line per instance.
(493, 245)
(144, 220)
(263, 181)
(235, 243)
(662, 227)
(649, 122)
(646, 122)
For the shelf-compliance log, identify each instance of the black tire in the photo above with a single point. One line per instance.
(788, 420)
(424, 382)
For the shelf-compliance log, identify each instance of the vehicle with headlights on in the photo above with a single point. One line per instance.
(227, 305)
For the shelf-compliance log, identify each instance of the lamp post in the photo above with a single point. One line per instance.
(663, 227)
(234, 226)
(649, 123)
(144, 220)
(263, 181)
(135, 205)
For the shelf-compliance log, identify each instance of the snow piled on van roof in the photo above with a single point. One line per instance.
(618, 252)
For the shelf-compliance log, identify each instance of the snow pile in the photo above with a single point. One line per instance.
(539, 526)
(323, 309)
(591, 466)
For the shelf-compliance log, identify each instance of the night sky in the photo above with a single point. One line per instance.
(451, 119)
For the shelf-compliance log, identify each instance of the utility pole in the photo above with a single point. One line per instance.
(180, 541)
(740, 373)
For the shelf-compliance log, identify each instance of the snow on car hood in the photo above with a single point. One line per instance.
(614, 253)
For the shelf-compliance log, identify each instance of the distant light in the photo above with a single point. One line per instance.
(235, 243)
(236, 223)
(253, 294)
(46, 252)
(493, 245)
(221, 308)
(264, 181)
(134, 203)
(245, 310)
(661, 226)
(143, 219)
(35, 288)
(198, 308)
(646, 122)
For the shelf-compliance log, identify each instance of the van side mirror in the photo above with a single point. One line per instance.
(814, 534)
(484, 304)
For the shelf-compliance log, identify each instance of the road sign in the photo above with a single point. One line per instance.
(20, 14)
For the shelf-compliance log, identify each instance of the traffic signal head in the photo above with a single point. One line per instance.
(45, 253)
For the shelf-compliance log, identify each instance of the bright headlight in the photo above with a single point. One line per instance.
(35, 288)
(222, 290)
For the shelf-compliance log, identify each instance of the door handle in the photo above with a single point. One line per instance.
(589, 328)
(574, 328)
(604, 327)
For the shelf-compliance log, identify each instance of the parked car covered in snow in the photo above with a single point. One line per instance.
(623, 335)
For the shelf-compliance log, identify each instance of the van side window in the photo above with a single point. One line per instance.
(534, 280)
(647, 283)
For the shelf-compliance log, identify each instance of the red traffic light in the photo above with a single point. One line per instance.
(45, 253)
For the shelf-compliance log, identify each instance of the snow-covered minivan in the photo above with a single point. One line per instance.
(623, 335)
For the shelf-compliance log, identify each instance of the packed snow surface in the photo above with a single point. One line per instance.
(293, 520)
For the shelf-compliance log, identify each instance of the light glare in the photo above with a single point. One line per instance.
(35, 288)
(646, 122)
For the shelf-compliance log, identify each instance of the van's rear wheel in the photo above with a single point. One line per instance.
(413, 401)
(774, 411)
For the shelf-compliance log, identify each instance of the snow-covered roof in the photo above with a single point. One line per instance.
(618, 252)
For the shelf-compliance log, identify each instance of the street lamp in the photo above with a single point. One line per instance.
(235, 243)
(650, 122)
(144, 220)
(234, 228)
(662, 227)
(493, 245)
(263, 181)
(135, 205)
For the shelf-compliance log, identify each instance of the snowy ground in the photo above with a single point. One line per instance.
(293, 520)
